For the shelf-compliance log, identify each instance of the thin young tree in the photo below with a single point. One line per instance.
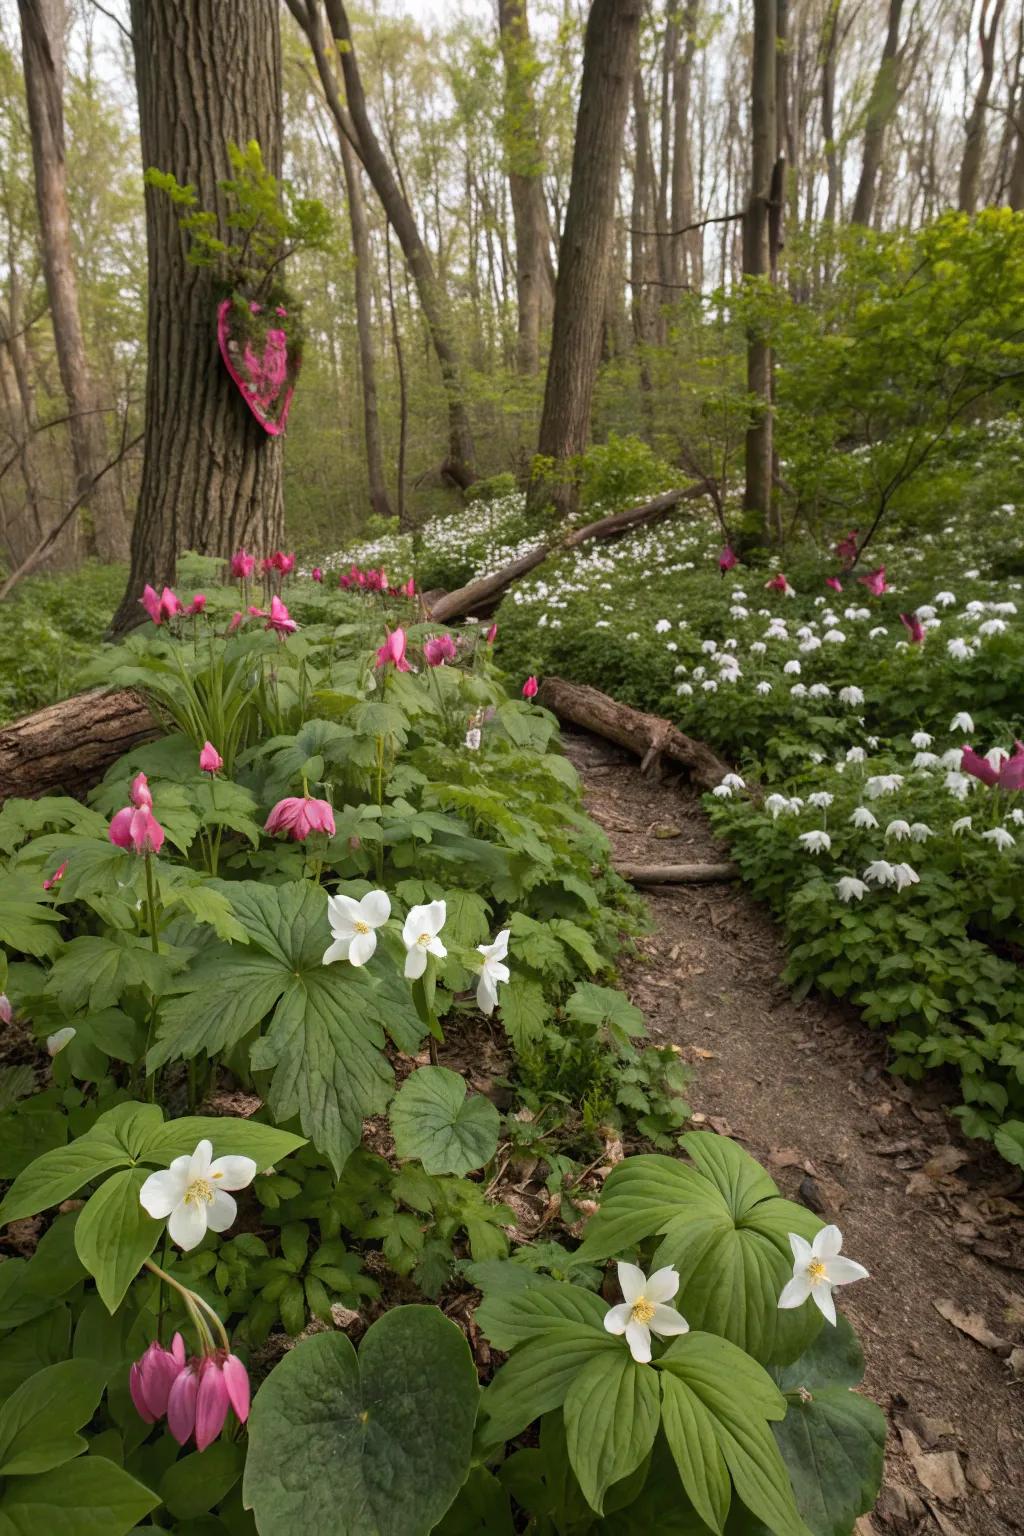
(208, 75)
(525, 165)
(882, 104)
(43, 24)
(757, 257)
(974, 139)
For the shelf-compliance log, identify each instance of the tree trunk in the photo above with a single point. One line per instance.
(364, 326)
(525, 164)
(757, 259)
(829, 48)
(460, 465)
(42, 39)
(687, 260)
(881, 107)
(609, 53)
(974, 141)
(208, 74)
(67, 747)
(667, 247)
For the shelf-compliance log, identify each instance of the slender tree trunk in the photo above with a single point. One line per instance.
(882, 105)
(974, 141)
(364, 326)
(667, 248)
(404, 521)
(757, 258)
(1015, 189)
(609, 53)
(208, 74)
(688, 248)
(525, 165)
(42, 40)
(829, 48)
(460, 465)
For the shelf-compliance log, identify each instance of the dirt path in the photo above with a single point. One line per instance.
(804, 1088)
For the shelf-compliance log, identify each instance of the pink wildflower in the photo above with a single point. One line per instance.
(300, 815)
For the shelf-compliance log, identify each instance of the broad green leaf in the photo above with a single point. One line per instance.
(87, 1497)
(834, 1359)
(115, 1234)
(699, 1461)
(480, 1509)
(524, 1010)
(537, 1376)
(39, 1419)
(61, 1173)
(612, 1410)
(229, 1135)
(94, 972)
(659, 1509)
(377, 1444)
(1009, 1140)
(606, 1008)
(26, 924)
(206, 906)
(43, 1341)
(195, 1483)
(467, 920)
(432, 1118)
(538, 1306)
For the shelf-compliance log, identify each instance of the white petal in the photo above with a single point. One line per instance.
(232, 1172)
(823, 1301)
(662, 1285)
(499, 948)
(486, 993)
(221, 1211)
(802, 1250)
(616, 1318)
(413, 926)
(435, 947)
(343, 912)
(632, 1281)
(375, 908)
(336, 951)
(162, 1191)
(436, 914)
(840, 1271)
(362, 947)
(667, 1322)
(796, 1291)
(415, 962)
(498, 972)
(828, 1243)
(638, 1337)
(187, 1225)
(199, 1163)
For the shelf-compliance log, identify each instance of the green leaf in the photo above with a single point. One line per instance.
(377, 1444)
(206, 906)
(524, 1010)
(433, 1119)
(193, 1485)
(1009, 1140)
(94, 972)
(539, 1306)
(611, 1413)
(537, 1376)
(87, 1497)
(43, 1341)
(230, 1136)
(605, 1008)
(39, 1419)
(25, 924)
(61, 1173)
(481, 1508)
(115, 1234)
(699, 1462)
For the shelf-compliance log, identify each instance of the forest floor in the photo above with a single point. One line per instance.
(938, 1220)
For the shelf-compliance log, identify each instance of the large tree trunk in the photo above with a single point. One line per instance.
(609, 54)
(757, 258)
(208, 74)
(42, 40)
(460, 465)
(364, 326)
(882, 105)
(524, 159)
(974, 141)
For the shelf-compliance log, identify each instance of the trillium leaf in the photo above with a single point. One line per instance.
(434, 1119)
(39, 1419)
(230, 1136)
(612, 1411)
(113, 1141)
(538, 1307)
(377, 1444)
(87, 1497)
(537, 1376)
(114, 1234)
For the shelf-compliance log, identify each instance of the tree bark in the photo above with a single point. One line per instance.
(829, 49)
(974, 140)
(208, 74)
(460, 465)
(677, 874)
(757, 258)
(881, 107)
(687, 258)
(649, 736)
(364, 326)
(66, 748)
(42, 39)
(585, 250)
(525, 164)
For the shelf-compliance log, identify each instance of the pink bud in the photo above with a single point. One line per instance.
(409, 589)
(152, 1377)
(530, 688)
(236, 619)
(212, 1403)
(197, 604)
(120, 829)
(147, 835)
(492, 634)
(242, 565)
(210, 760)
(438, 649)
(56, 877)
(834, 583)
(237, 1378)
(915, 629)
(170, 604)
(139, 793)
(316, 573)
(299, 816)
(727, 559)
(875, 582)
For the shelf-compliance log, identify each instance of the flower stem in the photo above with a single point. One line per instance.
(192, 1301)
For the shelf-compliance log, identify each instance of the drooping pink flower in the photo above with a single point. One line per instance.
(236, 619)
(1008, 775)
(135, 827)
(242, 565)
(834, 583)
(316, 573)
(139, 793)
(393, 650)
(299, 815)
(846, 549)
(56, 877)
(913, 626)
(409, 588)
(779, 584)
(150, 600)
(875, 581)
(492, 634)
(279, 618)
(344, 581)
(282, 562)
(210, 760)
(1011, 774)
(978, 767)
(201, 1396)
(197, 604)
(439, 649)
(151, 1378)
(170, 604)
(727, 559)
(6, 1011)
(281, 312)
(530, 687)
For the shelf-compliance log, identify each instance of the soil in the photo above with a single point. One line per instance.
(937, 1219)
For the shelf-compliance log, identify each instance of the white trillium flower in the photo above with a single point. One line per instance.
(959, 784)
(798, 690)
(710, 685)
(898, 830)
(734, 781)
(905, 876)
(1000, 837)
(55, 1043)
(920, 832)
(492, 971)
(925, 761)
(958, 649)
(683, 690)
(662, 627)
(193, 1194)
(817, 1267)
(961, 825)
(792, 669)
(880, 872)
(644, 1310)
(946, 599)
(849, 888)
(816, 842)
(821, 798)
(352, 926)
(820, 690)
(420, 936)
(921, 740)
(775, 805)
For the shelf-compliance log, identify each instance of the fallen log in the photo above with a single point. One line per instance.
(477, 595)
(67, 747)
(649, 736)
(676, 874)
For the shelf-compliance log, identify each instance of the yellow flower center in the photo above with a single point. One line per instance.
(424, 939)
(642, 1310)
(199, 1191)
(816, 1271)
(361, 927)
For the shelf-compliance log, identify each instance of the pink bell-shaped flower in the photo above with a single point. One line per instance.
(530, 687)
(151, 1378)
(210, 760)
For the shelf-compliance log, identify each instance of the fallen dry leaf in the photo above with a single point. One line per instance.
(939, 1472)
(928, 1430)
(973, 1324)
(947, 1526)
(1015, 1361)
